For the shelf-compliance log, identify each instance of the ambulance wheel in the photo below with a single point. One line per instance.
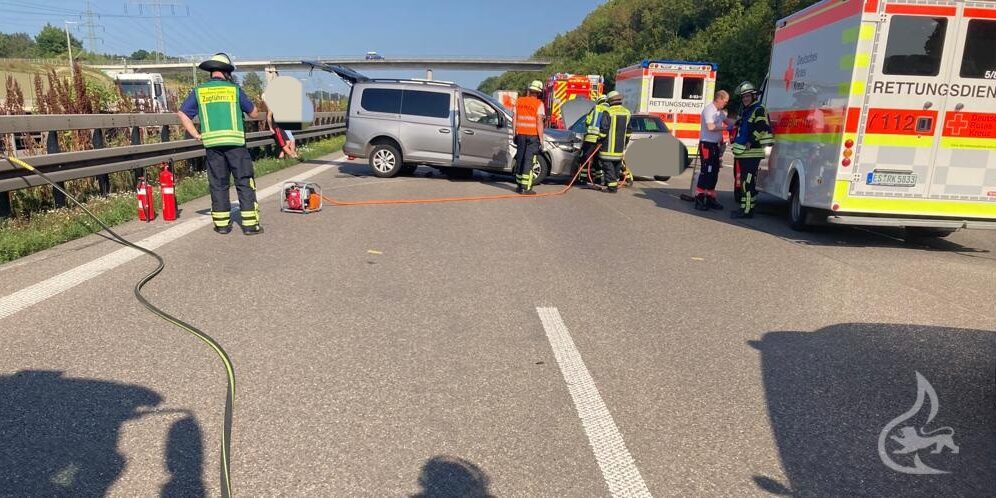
(922, 233)
(541, 170)
(661, 178)
(385, 160)
(798, 214)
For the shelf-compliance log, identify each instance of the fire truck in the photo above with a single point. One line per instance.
(884, 114)
(562, 87)
(676, 91)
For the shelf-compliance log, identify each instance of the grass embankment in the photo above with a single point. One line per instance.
(22, 236)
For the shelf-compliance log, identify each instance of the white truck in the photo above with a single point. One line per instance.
(145, 88)
(884, 114)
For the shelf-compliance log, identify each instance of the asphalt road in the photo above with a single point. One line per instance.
(565, 346)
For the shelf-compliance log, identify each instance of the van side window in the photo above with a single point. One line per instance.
(915, 45)
(979, 60)
(692, 88)
(663, 87)
(479, 112)
(381, 100)
(159, 90)
(426, 104)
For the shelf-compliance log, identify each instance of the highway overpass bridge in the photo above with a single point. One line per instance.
(271, 66)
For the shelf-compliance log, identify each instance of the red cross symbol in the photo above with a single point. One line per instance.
(789, 75)
(955, 125)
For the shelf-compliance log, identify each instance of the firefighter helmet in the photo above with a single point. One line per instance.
(536, 86)
(218, 62)
(601, 99)
(614, 97)
(746, 88)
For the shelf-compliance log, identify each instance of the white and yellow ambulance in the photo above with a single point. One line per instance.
(884, 113)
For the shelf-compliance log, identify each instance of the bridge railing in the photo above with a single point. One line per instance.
(100, 161)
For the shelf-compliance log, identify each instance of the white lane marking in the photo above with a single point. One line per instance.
(618, 467)
(34, 294)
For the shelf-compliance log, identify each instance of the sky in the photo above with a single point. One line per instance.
(253, 29)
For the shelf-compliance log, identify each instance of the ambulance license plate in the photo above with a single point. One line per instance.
(891, 179)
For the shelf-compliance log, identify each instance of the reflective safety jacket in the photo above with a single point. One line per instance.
(527, 116)
(591, 122)
(613, 128)
(753, 132)
(220, 114)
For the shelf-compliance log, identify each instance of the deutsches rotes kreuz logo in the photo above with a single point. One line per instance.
(901, 443)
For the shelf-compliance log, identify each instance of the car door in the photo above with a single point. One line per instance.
(484, 133)
(427, 126)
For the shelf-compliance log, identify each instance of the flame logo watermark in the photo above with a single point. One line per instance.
(912, 440)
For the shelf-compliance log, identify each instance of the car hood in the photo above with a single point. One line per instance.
(554, 135)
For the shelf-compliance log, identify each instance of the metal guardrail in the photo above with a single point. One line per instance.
(64, 166)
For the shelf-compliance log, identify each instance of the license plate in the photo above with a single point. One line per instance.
(888, 179)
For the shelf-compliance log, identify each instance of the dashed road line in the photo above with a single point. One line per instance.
(618, 467)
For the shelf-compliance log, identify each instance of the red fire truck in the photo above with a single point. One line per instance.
(563, 87)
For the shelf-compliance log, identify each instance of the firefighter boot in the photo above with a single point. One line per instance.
(700, 203)
(252, 230)
(223, 230)
(711, 203)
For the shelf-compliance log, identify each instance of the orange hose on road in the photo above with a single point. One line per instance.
(376, 202)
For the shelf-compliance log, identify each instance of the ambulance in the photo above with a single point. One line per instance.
(562, 87)
(506, 98)
(884, 114)
(676, 91)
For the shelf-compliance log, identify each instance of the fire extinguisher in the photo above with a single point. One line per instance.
(168, 195)
(146, 202)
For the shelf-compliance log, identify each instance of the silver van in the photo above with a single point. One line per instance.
(398, 124)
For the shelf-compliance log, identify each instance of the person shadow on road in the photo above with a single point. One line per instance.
(452, 477)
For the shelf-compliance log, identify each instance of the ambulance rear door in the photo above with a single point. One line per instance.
(965, 164)
(900, 128)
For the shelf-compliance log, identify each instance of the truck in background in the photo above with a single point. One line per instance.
(884, 114)
(563, 87)
(676, 91)
(147, 89)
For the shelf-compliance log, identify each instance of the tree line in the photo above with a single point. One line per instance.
(50, 43)
(735, 34)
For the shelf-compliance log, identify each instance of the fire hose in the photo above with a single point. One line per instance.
(433, 200)
(226, 482)
(226, 479)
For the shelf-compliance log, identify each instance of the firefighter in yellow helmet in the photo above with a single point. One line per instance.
(529, 115)
(613, 128)
(591, 137)
(220, 103)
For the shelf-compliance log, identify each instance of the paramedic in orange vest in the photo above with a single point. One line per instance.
(529, 114)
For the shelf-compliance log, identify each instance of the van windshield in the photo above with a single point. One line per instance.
(135, 89)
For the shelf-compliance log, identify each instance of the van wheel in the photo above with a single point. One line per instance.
(541, 169)
(922, 233)
(385, 161)
(798, 214)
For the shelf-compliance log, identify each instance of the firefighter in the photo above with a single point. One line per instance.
(613, 127)
(752, 143)
(529, 115)
(221, 104)
(714, 121)
(591, 137)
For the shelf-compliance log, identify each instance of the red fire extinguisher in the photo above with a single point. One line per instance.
(168, 195)
(146, 203)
